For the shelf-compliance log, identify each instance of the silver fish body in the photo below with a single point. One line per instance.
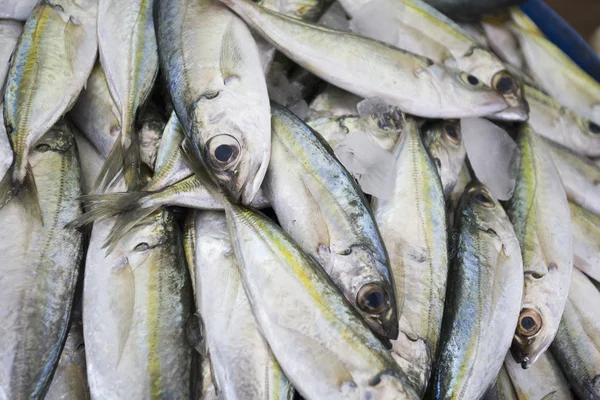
(483, 298)
(503, 388)
(48, 70)
(10, 31)
(543, 380)
(575, 347)
(90, 159)
(585, 227)
(218, 88)
(321, 343)
(242, 362)
(413, 226)
(39, 274)
(540, 215)
(370, 69)
(137, 301)
(329, 218)
(70, 379)
(333, 102)
(444, 143)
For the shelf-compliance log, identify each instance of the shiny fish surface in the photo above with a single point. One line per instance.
(543, 380)
(585, 227)
(503, 388)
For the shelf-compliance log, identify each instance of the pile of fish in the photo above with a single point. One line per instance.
(360, 199)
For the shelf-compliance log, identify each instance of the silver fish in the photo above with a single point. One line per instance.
(330, 219)
(10, 31)
(333, 102)
(503, 388)
(543, 380)
(370, 69)
(413, 226)
(575, 347)
(16, 9)
(39, 274)
(540, 215)
(483, 298)
(243, 365)
(585, 227)
(218, 89)
(129, 58)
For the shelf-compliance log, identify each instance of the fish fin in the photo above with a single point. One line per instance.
(124, 224)
(132, 161)
(26, 192)
(232, 55)
(122, 285)
(107, 205)
(74, 35)
(121, 161)
(110, 171)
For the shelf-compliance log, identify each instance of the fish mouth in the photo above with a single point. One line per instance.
(518, 113)
(384, 325)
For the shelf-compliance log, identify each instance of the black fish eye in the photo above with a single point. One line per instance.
(505, 84)
(372, 298)
(223, 152)
(42, 147)
(472, 80)
(452, 132)
(484, 199)
(527, 323)
(530, 323)
(142, 247)
(594, 128)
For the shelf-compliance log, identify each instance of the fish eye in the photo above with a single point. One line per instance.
(594, 128)
(224, 151)
(530, 322)
(372, 298)
(452, 131)
(470, 79)
(483, 198)
(504, 83)
(42, 147)
(141, 247)
(211, 95)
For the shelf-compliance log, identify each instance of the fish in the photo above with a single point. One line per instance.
(129, 57)
(444, 143)
(10, 31)
(95, 113)
(6, 153)
(48, 70)
(150, 126)
(39, 275)
(413, 228)
(70, 379)
(471, 10)
(503, 42)
(330, 219)
(483, 297)
(219, 92)
(543, 380)
(137, 301)
(585, 227)
(242, 362)
(416, 26)
(332, 102)
(90, 159)
(560, 77)
(580, 176)
(575, 347)
(415, 84)
(503, 388)
(322, 344)
(540, 214)
(16, 9)
(559, 124)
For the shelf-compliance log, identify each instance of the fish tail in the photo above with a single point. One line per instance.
(132, 160)
(125, 223)
(102, 206)
(124, 159)
(24, 189)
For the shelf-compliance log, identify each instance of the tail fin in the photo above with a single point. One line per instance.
(121, 161)
(26, 192)
(102, 206)
(124, 224)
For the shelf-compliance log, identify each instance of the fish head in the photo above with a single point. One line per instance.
(465, 93)
(532, 337)
(59, 139)
(589, 133)
(234, 139)
(444, 143)
(368, 289)
(152, 233)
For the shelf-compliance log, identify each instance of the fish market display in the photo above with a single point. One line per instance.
(295, 199)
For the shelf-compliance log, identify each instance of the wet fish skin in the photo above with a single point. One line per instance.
(95, 113)
(244, 369)
(16, 9)
(483, 298)
(447, 150)
(503, 41)
(90, 159)
(561, 125)
(48, 70)
(136, 346)
(332, 102)
(413, 226)
(580, 176)
(503, 388)
(585, 227)
(321, 343)
(10, 31)
(219, 93)
(129, 57)
(543, 380)
(351, 62)
(70, 379)
(575, 346)
(540, 215)
(330, 219)
(37, 300)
